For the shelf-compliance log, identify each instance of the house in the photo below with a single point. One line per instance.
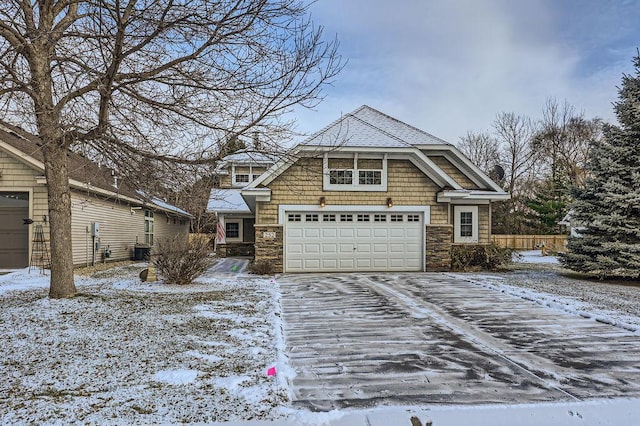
(235, 234)
(109, 220)
(366, 193)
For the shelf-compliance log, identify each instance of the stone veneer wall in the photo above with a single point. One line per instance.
(438, 253)
(269, 245)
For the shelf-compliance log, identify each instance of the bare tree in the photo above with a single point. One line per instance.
(151, 79)
(514, 133)
(482, 149)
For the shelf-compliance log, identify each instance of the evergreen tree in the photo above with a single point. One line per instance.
(608, 207)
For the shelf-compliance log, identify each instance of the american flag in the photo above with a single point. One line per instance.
(221, 235)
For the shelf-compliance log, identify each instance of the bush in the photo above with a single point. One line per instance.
(479, 256)
(261, 267)
(180, 260)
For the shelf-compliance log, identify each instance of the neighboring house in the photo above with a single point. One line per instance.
(367, 193)
(235, 234)
(109, 220)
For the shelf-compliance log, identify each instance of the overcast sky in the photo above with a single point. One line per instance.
(450, 66)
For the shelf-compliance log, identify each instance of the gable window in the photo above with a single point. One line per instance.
(354, 172)
(465, 226)
(242, 178)
(370, 177)
(341, 177)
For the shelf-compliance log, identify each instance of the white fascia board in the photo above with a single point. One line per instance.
(253, 195)
(471, 195)
(260, 194)
(457, 158)
(420, 160)
(29, 160)
(25, 158)
(276, 169)
(282, 208)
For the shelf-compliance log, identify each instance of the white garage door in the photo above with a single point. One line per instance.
(338, 241)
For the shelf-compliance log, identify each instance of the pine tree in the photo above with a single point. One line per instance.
(608, 207)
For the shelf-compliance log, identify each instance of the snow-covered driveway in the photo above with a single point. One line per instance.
(365, 339)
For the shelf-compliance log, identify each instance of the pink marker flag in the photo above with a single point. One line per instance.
(271, 371)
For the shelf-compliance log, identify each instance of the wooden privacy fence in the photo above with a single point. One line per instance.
(531, 242)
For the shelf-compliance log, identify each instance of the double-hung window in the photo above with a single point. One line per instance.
(465, 225)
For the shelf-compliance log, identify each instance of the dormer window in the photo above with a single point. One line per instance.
(354, 172)
(242, 178)
(242, 175)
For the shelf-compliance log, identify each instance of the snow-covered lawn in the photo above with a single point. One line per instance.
(126, 352)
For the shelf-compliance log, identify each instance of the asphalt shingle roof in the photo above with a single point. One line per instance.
(368, 127)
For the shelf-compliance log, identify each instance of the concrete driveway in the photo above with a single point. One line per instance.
(357, 340)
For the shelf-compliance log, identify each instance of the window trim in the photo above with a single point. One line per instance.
(240, 230)
(355, 184)
(457, 237)
(149, 227)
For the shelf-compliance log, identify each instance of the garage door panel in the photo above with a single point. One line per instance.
(329, 233)
(295, 248)
(346, 232)
(330, 248)
(380, 233)
(346, 248)
(363, 248)
(294, 264)
(311, 233)
(397, 232)
(363, 232)
(397, 248)
(294, 232)
(312, 248)
(380, 248)
(346, 264)
(353, 245)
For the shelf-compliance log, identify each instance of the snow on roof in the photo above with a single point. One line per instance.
(161, 204)
(227, 201)
(166, 206)
(247, 157)
(368, 127)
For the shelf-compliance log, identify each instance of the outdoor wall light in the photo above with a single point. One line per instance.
(323, 202)
(389, 202)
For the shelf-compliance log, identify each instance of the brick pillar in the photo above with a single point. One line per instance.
(269, 245)
(438, 253)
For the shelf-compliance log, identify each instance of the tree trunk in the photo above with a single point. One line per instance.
(56, 168)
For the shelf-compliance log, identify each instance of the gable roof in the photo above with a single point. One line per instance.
(246, 156)
(84, 174)
(368, 127)
(227, 201)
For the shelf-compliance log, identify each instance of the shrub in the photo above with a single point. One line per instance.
(180, 260)
(479, 256)
(261, 267)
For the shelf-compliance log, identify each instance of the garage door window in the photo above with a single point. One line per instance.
(346, 218)
(311, 218)
(328, 217)
(295, 218)
(396, 218)
(363, 218)
(379, 217)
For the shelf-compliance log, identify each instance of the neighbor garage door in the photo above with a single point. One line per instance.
(14, 236)
(353, 241)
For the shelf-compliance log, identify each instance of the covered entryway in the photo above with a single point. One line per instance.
(353, 241)
(14, 235)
